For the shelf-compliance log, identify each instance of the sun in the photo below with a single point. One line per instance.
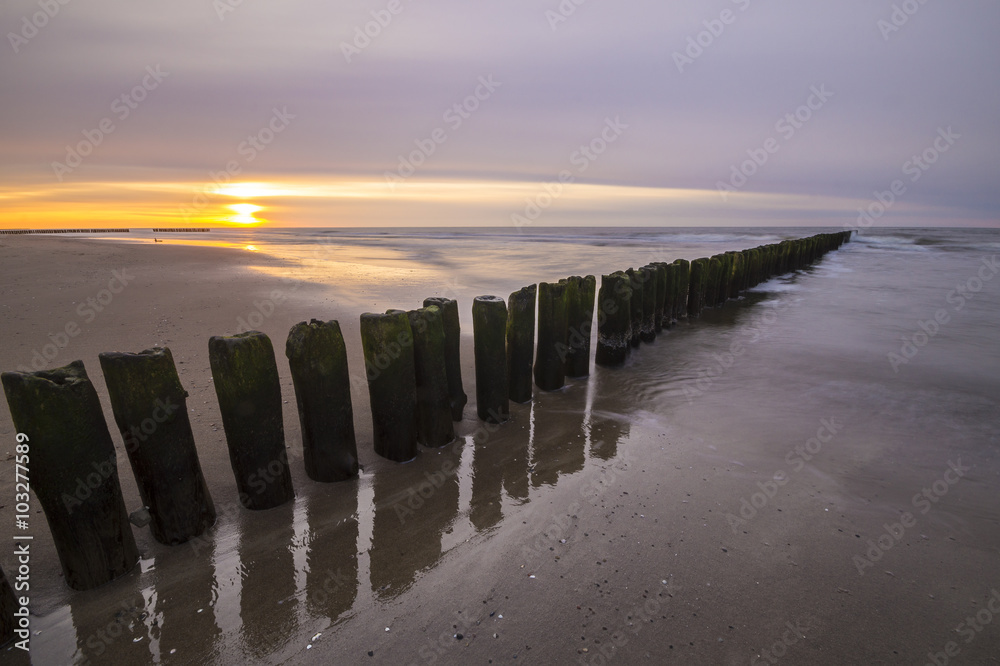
(244, 213)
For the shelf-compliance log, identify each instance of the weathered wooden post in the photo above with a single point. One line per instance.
(489, 328)
(647, 275)
(245, 375)
(317, 357)
(580, 320)
(635, 305)
(150, 409)
(434, 424)
(553, 334)
(452, 352)
(73, 472)
(660, 315)
(682, 277)
(714, 281)
(388, 347)
(699, 283)
(614, 319)
(520, 342)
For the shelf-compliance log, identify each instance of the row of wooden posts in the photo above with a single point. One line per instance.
(414, 383)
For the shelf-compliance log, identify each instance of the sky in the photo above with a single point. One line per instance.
(837, 113)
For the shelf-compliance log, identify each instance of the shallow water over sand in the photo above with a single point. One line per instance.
(643, 470)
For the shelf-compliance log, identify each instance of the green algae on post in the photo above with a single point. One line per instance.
(520, 342)
(388, 347)
(246, 381)
(434, 423)
(74, 472)
(614, 319)
(647, 329)
(150, 409)
(452, 352)
(489, 329)
(317, 358)
(553, 332)
(580, 320)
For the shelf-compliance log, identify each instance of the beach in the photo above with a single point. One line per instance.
(779, 480)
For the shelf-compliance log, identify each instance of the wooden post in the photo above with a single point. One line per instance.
(520, 342)
(317, 358)
(614, 319)
(452, 352)
(660, 317)
(647, 275)
(489, 328)
(434, 424)
(388, 346)
(553, 334)
(246, 383)
(682, 277)
(699, 283)
(74, 472)
(150, 409)
(635, 304)
(580, 319)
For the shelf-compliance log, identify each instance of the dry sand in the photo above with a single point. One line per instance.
(588, 529)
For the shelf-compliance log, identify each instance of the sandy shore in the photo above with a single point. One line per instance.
(602, 524)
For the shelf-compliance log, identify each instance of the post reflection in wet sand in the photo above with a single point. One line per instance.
(500, 462)
(332, 555)
(185, 606)
(415, 504)
(558, 446)
(122, 629)
(268, 603)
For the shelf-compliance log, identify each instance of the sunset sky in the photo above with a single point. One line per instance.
(503, 113)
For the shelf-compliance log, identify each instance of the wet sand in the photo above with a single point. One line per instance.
(601, 524)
